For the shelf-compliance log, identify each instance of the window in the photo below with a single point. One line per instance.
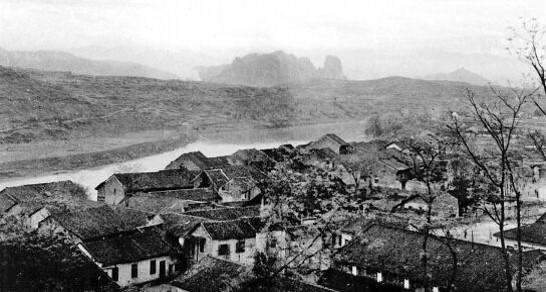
(240, 247)
(115, 274)
(273, 242)
(134, 271)
(435, 289)
(223, 250)
(202, 245)
(354, 271)
(152, 267)
(406, 284)
(379, 277)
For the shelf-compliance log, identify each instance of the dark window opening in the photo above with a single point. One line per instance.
(202, 245)
(240, 247)
(273, 242)
(152, 267)
(223, 250)
(134, 271)
(115, 274)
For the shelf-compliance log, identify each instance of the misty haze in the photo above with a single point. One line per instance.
(273, 146)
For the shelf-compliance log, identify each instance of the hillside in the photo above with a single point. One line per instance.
(277, 68)
(59, 105)
(55, 114)
(459, 75)
(62, 61)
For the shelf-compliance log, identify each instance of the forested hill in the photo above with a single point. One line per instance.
(38, 105)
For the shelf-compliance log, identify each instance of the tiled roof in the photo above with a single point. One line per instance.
(99, 221)
(169, 201)
(394, 164)
(227, 213)
(206, 274)
(233, 229)
(397, 251)
(334, 138)
(200, 160)
(198, 194)
(127, 247)
(217, 177)
(159, 180)
(532, 233)
(179, 225)
(213, 274)
(196, 157)
(60, 190)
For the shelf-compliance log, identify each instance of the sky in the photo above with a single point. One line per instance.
(293, 25)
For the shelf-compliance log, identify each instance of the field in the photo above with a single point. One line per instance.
(55, 120)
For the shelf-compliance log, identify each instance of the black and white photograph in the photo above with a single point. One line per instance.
(273, 145)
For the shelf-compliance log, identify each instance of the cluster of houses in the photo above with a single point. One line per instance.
(181, 228)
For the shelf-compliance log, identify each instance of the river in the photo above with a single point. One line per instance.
(90, 178)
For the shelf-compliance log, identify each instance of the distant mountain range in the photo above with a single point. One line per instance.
(62, 61)
(459, 75)
(271, 69)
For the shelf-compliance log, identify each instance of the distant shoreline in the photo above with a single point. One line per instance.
(53, 165)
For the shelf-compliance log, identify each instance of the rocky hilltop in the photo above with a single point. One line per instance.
(271, 69)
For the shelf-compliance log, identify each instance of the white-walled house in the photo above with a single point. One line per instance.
(233, 240)
(119, 185)
(133, 257)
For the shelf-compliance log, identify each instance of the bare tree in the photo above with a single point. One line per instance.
(500, 117)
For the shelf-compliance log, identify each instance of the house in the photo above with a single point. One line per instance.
(391, 173)
(252, 157)
(120, 185)
(197, 161)
(389, 258)
(232, 183)
(331, 141)
(233, 240)
(533, 236)
(133, 257)
(444, 205)
(124, 243)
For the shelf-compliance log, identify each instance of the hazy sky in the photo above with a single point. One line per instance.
(468, 25)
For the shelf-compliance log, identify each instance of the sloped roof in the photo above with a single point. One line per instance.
(395, 250)
(131, 246)
(532, 233)
(227, 213)
(99, 221)
(233, 229)
(251, 154)
(180, 225)
(53, 190)
(200, 160)
(333, 137)
(169, 201)
(206, 275)
(6, 203)
(217, 177)
(394, 164)
(214, 274)
(159, 180)
(196, 157)
(198, 194)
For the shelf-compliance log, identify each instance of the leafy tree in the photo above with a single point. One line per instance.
(30, 261)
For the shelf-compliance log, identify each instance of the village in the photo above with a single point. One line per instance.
(328, 215)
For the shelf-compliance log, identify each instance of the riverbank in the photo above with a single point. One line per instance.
(16, 169)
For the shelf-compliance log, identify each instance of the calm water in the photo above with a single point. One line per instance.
(90, 178)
